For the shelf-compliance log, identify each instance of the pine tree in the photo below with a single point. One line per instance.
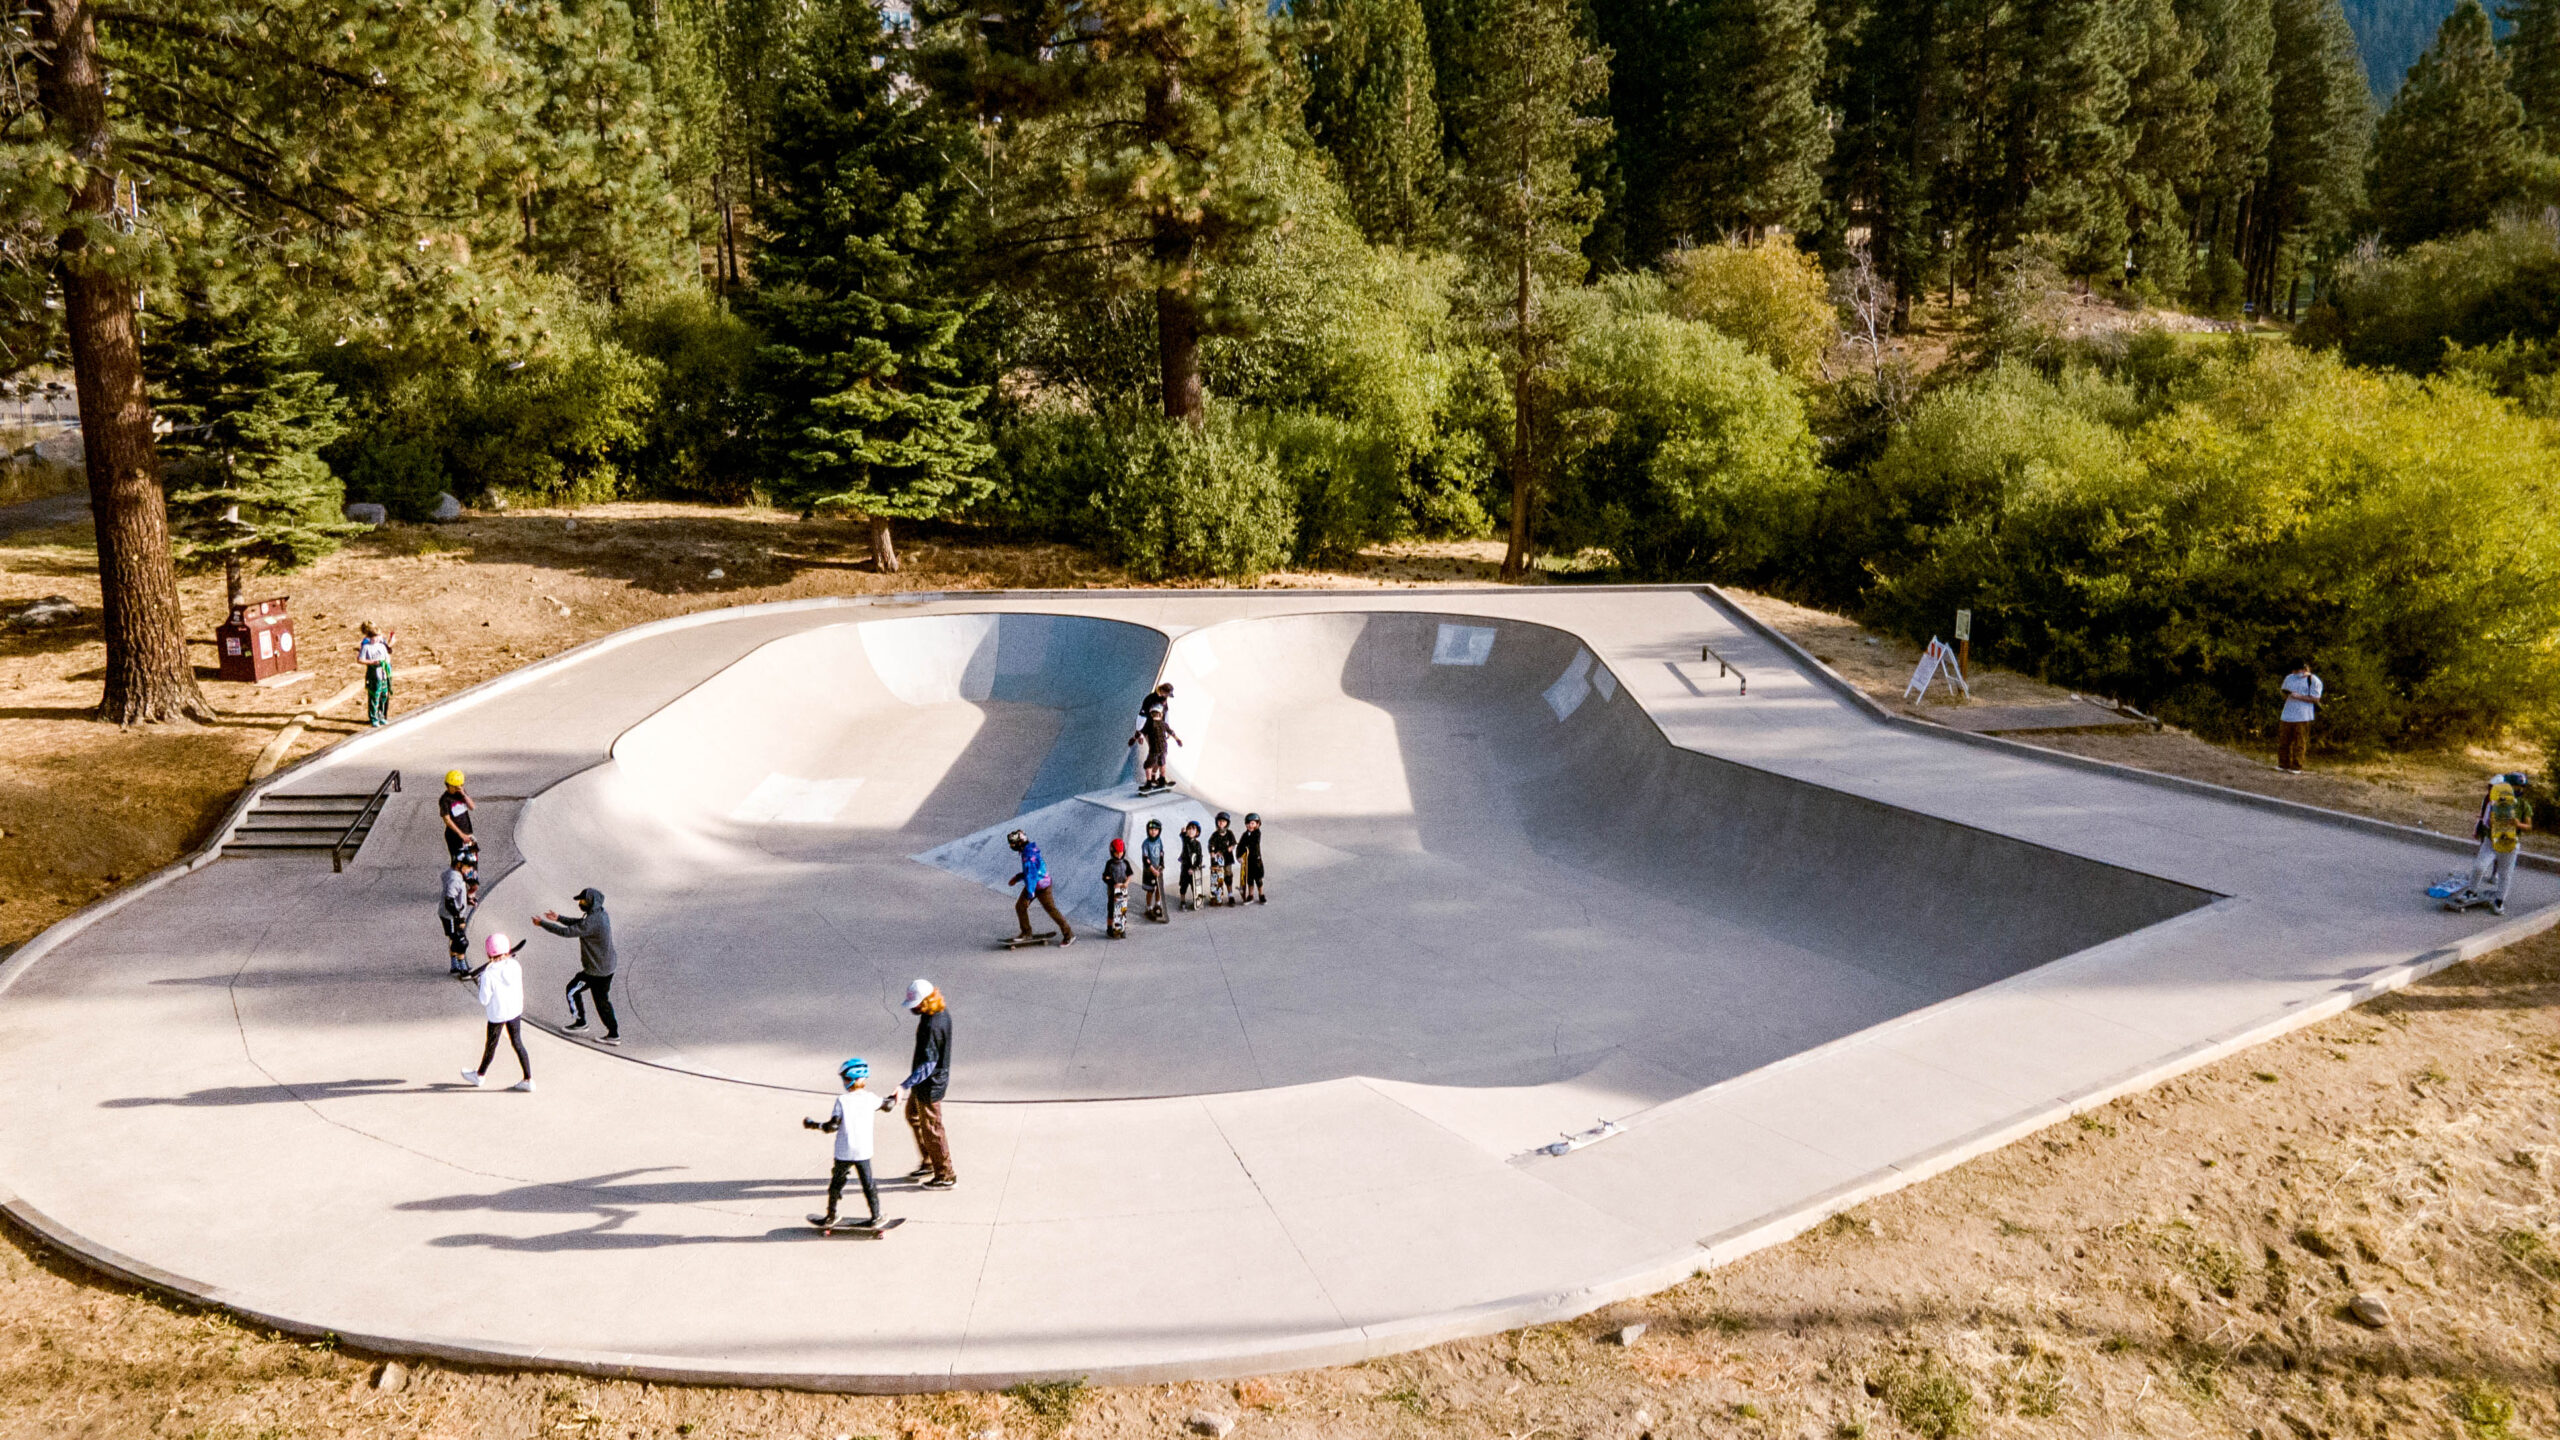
(2450, 150)
(2239, 63)
(333, 134)
(247, 423)
(597, 197)
(2321, 123)
(2169, 117)
(1134, 142)
(2063, 137)
(1372, 104)
(1718, 125)
(1523, 209)
(1897, 99)
(868, 416)
(2533, 67)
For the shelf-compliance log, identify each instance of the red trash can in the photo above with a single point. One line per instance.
(257, 641)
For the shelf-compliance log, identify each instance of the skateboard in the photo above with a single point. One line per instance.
(855, 1228)
(1019, 942)
(2449, 886)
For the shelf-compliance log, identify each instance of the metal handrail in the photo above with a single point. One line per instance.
(1725, 667)
(347, 840)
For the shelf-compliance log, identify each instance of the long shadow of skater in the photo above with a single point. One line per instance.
(272, 1094)
(615, 1201)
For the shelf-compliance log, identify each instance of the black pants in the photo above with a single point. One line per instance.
(870, 1191)
(583, 984)
(515, 1037)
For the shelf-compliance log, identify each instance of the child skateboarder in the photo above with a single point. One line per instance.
(1034, 880)
(593, 930)
(461, 897)
(2504, 815)
(851, 1125)
(374, 653)
(1249, 852)
(1151, 870)
(1222, 863)
(1155, 729)
(1190, 864)
(455, 807)
(1115, 890)
(501, 982)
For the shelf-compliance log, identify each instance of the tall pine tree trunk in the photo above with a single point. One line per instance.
(148, 674)
(1515, 559)
(884, 549)
(1170, 245)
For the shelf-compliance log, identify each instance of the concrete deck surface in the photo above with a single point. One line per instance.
(1533, 868)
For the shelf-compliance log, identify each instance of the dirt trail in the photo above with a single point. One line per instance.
(2175, 1264)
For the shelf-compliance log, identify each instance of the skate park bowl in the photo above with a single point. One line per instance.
(1496, 870)
(1583, 970)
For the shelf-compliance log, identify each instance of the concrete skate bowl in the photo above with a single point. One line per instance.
(1489, 868)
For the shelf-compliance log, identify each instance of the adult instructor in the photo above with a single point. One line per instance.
(927, 1083)
(2302, 692)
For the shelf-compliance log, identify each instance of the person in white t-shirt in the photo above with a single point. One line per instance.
(2302, 692)
(851, 1125)
(501, 982)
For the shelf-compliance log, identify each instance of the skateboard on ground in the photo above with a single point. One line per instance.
(1017, 942)
(845, 1226)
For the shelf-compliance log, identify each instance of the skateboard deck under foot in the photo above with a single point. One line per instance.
(856, 1228)
(1017, 942)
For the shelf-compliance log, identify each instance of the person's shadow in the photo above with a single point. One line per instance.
(615, 1200)
(274, 1094)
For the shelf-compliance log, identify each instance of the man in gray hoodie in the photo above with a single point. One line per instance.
(594, 931)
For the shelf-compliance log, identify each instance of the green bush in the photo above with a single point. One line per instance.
(696, 431)
(2474, 290)
(1770, 296)
(404, 476)
(1208, 501)
(1050, 463)
(1683, 453)
(2403, 535)
(1345, 481)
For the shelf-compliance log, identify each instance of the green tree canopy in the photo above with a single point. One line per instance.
(1373, 105)
(2450, 150)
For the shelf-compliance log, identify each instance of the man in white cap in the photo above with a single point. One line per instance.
(927, 1083)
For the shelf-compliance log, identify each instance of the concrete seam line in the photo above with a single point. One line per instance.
(1829, 679)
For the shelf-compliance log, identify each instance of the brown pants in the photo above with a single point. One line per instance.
(925, 1118)
(1022, 912)
(2293, 737)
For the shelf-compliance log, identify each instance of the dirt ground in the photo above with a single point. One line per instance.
(2175, 1264)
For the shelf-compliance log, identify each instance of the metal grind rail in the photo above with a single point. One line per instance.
(336, 823)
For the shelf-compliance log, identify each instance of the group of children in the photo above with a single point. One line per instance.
(1223, 855)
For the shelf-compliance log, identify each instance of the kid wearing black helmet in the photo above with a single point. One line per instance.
(1190, 864)
(1115, 890)
(1034, 880)
(461, 897)
(1151, 870)
(1249, 851)
(851, 1125)
(1155, 729)
(1222, 863)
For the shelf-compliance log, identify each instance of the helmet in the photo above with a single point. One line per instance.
(919, 992)
(1119, 846)
(499, 946)
(453, 779)
(1250, 818)
(1188, 826)
(1222, 817)
(1155, 826)
(1017, 839)
(854, 1069)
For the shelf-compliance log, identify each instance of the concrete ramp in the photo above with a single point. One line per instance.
(1074, 837)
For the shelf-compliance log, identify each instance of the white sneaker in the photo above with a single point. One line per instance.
(525, 1085)
(471, 1077)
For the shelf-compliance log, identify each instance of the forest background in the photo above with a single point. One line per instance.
(1893, 306)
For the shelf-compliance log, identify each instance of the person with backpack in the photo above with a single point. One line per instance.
(2504, 817)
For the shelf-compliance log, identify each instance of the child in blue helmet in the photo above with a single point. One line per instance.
(852, 1129)
(1151, 870)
